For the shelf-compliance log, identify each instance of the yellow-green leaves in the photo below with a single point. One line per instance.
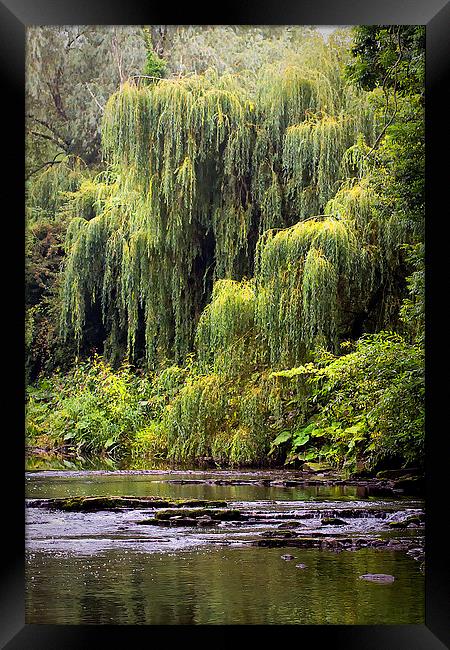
(225, 332)
(304, 276)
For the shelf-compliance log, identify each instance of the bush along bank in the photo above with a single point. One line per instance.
(360, 410)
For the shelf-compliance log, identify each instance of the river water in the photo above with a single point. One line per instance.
(111, 567)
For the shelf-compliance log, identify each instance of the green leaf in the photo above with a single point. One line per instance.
(356, 428)
(310, 455)
(300, 439)
(302, 436)
(282, 437)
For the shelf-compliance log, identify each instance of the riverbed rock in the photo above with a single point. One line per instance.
(192, 516)
(206, 520)
(412, 520)
(415, 519)
(286, 534)
(289, 524)
(397, 524)
(183, 521)
(299, 542)
(329, 543)
(97, 503)
(379, 578)
(411, 485)
(333, 521)
(195, 513)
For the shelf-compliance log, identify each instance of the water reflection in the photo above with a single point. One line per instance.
(223, 586)
(48, 461)
(143, 486)
(162, 484)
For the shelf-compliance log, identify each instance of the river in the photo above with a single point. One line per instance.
(294, 552)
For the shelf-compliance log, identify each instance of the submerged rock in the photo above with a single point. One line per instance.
(298, 542)
(301, 566)
(186, 481)
(288, 557)
(380, 578)
(329, 543)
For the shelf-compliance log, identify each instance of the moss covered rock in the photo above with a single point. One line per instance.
(96, 503)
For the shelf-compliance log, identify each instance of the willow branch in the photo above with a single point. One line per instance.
(393, 69)
(48, 126)
(94, 97)
(48, 137)
(46, 164)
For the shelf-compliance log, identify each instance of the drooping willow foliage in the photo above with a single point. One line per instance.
(225, 337)
(304, 276)
(47, 192)
(228, 415)
(199, 168)
(319, 280)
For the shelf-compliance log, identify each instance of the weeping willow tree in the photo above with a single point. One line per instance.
(309, 117)
(198, 169)
(240, 233)
(305, 275)
(326, 278)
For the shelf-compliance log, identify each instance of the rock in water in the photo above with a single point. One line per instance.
(332, 521)
(289, 524)
(287, 557)
(381, 578)
(301, 566)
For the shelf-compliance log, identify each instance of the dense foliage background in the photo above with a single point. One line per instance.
(225, 244)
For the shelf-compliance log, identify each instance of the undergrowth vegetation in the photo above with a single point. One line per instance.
(365, 406)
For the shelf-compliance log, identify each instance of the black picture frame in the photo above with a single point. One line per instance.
(15, 16)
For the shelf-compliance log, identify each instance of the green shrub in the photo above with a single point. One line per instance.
(90, 409)
(365, 405)
(150, 442)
